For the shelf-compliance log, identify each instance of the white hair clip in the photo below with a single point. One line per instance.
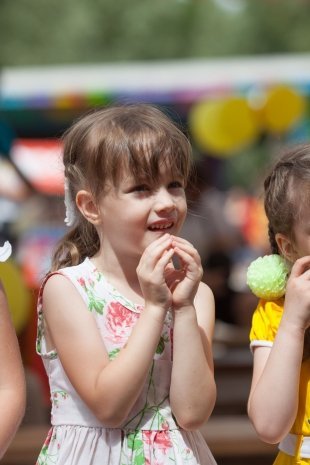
(70, 206)
(5, 251)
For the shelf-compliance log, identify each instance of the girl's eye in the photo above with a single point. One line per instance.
(176, 185)
(141, 188)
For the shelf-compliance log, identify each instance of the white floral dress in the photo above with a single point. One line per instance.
(150, 434)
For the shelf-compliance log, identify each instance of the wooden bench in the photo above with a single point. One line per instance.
(231, 439)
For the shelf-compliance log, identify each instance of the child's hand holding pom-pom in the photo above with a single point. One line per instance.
(267, 276)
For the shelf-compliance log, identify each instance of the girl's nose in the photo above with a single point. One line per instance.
(164, 200)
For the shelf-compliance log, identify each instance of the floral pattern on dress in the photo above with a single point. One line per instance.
(119, 320)
(150, 435)
(57, 395)
(160, 441)
(114, 353)
(153, 447)
(45, 457)
(94, 302)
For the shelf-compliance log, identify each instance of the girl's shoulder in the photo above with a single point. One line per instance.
(81, 276)
(266, 320)
(85, 268)
(83, 272)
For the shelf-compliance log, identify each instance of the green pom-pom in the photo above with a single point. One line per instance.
(267, 276)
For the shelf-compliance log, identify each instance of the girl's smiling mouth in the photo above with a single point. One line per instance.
(161, 225)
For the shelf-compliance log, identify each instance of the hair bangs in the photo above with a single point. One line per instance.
(136, 140)
(146, 155)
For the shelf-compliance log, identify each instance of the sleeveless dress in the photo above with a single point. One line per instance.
(295, 448)
(150, 435)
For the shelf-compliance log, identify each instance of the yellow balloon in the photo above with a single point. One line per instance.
(282, 109)
(17, 293)
(223, 126)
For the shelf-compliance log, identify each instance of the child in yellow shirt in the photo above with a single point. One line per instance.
(279, 401)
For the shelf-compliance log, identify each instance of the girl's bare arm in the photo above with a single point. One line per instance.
(12, 381)
(193, 390)
(273, 399)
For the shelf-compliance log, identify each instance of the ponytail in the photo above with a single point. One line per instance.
(82, 241)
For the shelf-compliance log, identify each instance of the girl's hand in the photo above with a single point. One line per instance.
(151, 272)
(297, 296)
(184, 282)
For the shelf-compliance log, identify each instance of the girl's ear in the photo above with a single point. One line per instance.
(86, 204)
(286, 247)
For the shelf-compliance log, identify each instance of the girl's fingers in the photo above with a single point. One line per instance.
(300, 266)
(181, 240)
(188, 248)
(187, 260)
(157, 261)
(170, 266)
(164, 262)
(156, 249)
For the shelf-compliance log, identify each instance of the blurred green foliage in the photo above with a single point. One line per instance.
(89, 31)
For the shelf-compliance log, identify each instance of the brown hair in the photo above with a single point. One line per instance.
(100, 146)
(287, 191)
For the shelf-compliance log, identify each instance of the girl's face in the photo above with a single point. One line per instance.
(302, 237)
(299, 245)
(134, 214)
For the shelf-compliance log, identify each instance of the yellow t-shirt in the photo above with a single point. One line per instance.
(265, 323)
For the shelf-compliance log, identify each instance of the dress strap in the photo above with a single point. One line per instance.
(40, 339)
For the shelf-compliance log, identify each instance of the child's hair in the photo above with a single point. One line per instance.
(103, 145)
(287, 192)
